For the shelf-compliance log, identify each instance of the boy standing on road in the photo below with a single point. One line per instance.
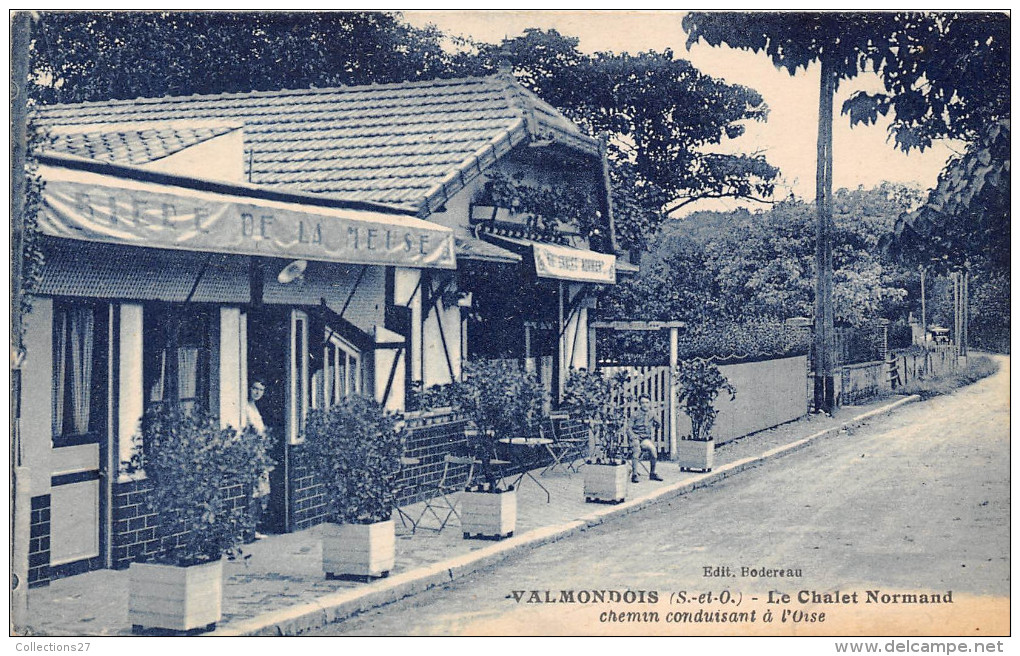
(639, 430)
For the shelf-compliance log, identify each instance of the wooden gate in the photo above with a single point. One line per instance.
(650, 380)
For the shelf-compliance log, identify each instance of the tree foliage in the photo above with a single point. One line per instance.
(80, 56)
(945, 75)
(191, 465)
(502, 400)
(745, 266)
(794, 40)
(595, 399)
(676, 285)
(698, 385)
(965, 219)
(662, 116)
(354, 448)
(990, 309)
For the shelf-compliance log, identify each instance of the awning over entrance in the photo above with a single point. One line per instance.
(476, 250)
(564, 262)
(98, 207)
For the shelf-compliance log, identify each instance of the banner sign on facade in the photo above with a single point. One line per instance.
(566, 263)
(101, 208)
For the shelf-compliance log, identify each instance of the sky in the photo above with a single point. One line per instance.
(861, 156)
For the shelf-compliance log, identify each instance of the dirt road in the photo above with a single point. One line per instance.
(916, 503)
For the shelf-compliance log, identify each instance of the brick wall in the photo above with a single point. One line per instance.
(433, 435)
(39, 542)
(134, 527)
(308, 499)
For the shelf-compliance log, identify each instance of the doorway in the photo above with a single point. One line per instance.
(79, 483)
(269, 332)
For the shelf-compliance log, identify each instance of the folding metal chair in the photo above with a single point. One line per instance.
(402, 514)
(564, 451)
(442, 504)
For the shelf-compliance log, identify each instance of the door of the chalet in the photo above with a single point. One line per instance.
(78, 477)
(268, 336)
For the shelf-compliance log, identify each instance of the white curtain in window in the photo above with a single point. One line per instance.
(82, 341)
(156, 393)
(187, 372)
(60, 373)
(317, 384)
(327, 376)
(343, 387)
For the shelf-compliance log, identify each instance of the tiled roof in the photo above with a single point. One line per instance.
(411, 145)
(134, 145)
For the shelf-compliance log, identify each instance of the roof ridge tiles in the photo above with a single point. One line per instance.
(410, 84)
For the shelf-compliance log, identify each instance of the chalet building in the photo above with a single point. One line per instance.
(327, 242)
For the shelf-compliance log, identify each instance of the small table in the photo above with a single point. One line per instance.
(530, 443)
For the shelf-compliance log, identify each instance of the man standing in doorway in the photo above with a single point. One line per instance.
(639, 429)
(253, 418)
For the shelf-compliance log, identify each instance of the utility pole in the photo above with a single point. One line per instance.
(20, 492)
(924, 314)
(957, 323)
(966, 309)
(824, 322)
(961, 309)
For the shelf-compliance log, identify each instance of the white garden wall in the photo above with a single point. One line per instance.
(769, 393)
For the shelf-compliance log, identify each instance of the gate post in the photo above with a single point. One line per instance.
(672, 408)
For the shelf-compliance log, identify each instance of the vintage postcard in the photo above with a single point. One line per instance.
(511, 323)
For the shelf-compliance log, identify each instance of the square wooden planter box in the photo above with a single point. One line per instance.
(605, 483)
(695, 455)
(358, 550)
(176, 598)
(488, 515)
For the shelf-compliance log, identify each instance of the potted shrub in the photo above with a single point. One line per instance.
(593, 398)
(500, 400)
(354, 450)
(431, 399)
(193, 469)
(698, 384)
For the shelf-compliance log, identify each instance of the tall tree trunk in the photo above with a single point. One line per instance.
(824, 385)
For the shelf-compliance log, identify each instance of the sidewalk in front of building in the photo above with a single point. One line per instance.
(281, 590)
